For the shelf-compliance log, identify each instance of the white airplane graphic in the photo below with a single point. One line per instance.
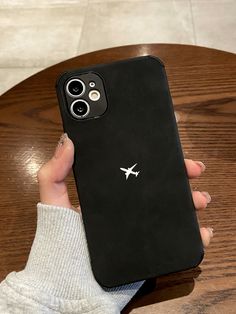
(130, 171)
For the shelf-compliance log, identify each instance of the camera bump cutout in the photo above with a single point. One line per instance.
(85, 96)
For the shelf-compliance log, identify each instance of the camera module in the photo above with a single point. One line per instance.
(79, 109)
(75, 87)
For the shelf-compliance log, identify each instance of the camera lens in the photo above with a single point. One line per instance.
(79, 109)
(75, 87)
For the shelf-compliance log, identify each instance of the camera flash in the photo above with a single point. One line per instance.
(94, 95)
(92, 84)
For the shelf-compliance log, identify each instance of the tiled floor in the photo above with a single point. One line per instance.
(35, 34)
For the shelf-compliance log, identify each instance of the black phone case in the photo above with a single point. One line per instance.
(144, 226)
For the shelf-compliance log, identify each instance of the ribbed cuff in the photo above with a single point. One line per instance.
(59, 263)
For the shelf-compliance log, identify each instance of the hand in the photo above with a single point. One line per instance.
(53, 190)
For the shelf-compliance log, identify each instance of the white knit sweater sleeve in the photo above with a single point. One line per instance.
(58, 276)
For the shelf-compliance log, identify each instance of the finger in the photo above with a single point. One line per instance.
(194, 168)
(201, 199)
(206, 234)
(51, 176)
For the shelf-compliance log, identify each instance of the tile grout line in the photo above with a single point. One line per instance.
(47, 5)
(193, 24)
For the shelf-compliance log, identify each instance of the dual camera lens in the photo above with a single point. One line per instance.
(75, 88)
(79, 108)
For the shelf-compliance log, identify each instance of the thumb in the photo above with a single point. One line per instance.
(51, 175)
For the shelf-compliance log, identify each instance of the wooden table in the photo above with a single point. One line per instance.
(203, 87)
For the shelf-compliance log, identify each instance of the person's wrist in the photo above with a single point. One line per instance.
(59, 263)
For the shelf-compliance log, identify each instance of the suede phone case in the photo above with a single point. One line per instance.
(143, 226)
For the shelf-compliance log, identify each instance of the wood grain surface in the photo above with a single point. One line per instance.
(203, 86)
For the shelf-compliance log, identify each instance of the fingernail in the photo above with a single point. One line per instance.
(207, 196)
(201, 165)
(210, 230)
(60, 145)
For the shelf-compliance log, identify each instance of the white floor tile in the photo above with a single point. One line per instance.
(215, 24)
(39, 37)
(117, 23)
